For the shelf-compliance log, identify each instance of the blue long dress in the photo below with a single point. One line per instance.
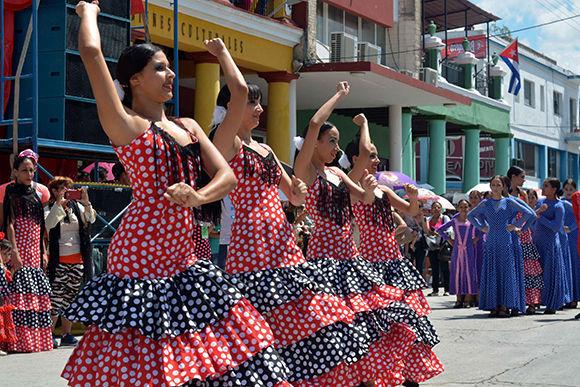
(547, 239)
(570, 248)
(502, 274)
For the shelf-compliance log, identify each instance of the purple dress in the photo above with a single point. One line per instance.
(464, 272)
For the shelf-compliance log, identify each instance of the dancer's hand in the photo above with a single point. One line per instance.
(566, 229)
(411, 191)
(343, 88)
(215, 46)
(16, 261)
(485, 229)
(184, 195)
(542, 209)
(299, 190)
(511, 227)
(83, 8)
(369, 183)
(359, 119)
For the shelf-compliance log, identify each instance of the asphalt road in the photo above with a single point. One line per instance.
(476, 350)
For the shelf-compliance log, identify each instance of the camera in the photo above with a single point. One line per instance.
(73, 194)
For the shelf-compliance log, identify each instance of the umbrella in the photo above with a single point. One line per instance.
(481, 187)
(394, 179)
(430, 197)
(106, 166)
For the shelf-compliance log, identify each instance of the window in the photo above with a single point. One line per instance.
(529, 97)
(335, 21)
(351, 24)
(368, 32)
(557, 104)
(572, 114)
(553, 163)
(331, 19)
(382, 42)
(542, 98)
(320, 30)
(526, 157)
(571, 165)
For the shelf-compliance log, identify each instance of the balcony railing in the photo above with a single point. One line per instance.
(260, 7)
(454, 74)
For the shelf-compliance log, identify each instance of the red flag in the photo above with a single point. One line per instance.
(511, 52)
(137, 7)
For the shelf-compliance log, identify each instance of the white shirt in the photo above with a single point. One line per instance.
(69, 242)
(228, 215)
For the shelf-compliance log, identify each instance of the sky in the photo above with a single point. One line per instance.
(559, 41)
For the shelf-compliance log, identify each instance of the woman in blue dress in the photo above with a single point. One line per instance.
(570, 221)
(502, 276)
(549, 225)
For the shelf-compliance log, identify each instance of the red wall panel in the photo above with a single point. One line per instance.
(379, 11)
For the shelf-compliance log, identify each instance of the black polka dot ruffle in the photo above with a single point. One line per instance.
(269, 289)
(32, 319)
(189, 301)
(401, 313)
(266, 369)
(4, 287)
(345, 277)
(342, 342)
(401, 274)
(30, 280)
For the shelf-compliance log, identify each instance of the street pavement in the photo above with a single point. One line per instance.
(476, 350)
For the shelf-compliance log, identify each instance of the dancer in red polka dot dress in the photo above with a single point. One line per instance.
(379, 246)
(30, 289)
(391, 327)
(309, 318)
(7, 328)
(161, 316)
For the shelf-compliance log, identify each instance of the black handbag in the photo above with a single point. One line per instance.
(445, 252)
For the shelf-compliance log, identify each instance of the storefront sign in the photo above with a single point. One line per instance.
(454, 161)
(477, 44)
(248, 50)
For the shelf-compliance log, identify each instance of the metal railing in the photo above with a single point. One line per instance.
(454, 73)
(260, 7)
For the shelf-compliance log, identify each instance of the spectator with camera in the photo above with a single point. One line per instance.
(68, 217)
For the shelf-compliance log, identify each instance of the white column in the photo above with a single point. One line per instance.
(396, 138)
(292, 119)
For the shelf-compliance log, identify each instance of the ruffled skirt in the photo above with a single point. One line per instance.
(30, 297)
(194, 327)
(344, 322)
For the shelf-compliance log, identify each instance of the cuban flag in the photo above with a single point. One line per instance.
(511, 59)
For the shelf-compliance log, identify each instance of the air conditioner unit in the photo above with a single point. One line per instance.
(408, 73)
(343, 47)
(428, 75)
(368, 52)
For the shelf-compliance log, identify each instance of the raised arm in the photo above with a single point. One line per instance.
(364, 148)
(558, 222)
(303, 165)
(226, 137)
(410, 207)
(116, 122)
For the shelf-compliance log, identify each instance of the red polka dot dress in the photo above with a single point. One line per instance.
(7, 328)
(30, 289)
(202, 246)
(161, 316)
(379, 246)
(385, 328)
(304, 314)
